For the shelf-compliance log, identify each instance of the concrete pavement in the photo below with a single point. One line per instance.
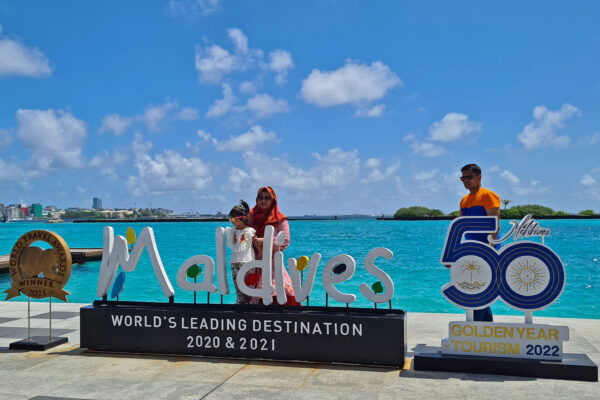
(68, 371)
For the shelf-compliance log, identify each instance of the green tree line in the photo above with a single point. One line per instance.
(514, 212)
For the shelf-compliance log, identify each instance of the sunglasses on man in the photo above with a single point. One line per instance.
(466, 178)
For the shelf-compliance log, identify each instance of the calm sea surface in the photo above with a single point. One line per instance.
(415, 268)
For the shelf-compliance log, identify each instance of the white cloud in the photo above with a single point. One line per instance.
(238, 179)
(5, 138)
(351, 84)
(205, 137)
(534, 187)
(247, 141)
(55, 139)
(589, 184)
(376, 174)
(214, 62)
(260, 105)
(168, 172)
(188, 114)
(155, 114)
(264, 106)
(591, 139)
(426, 182)
(373, 112)
(373, 163)
(15, 171)
(222, 106)
(331, 173)
(138, 146)
(452, 127)
(587, 180)
(522, 189)
(16, 59)
(280, 61)
(114, 123)
(542, 131)
(409, 138)
(425, 175)
(106, 163)
(510, 177)
(248, 87)
(190, 9)
(427, 149)
(494, 168)
(239, 40)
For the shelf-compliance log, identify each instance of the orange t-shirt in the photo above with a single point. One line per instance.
(477, 204)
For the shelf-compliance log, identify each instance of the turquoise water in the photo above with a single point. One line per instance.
(415, 267)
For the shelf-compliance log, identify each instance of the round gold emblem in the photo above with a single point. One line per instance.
(36, 272)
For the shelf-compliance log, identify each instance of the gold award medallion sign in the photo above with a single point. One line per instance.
(36, 272)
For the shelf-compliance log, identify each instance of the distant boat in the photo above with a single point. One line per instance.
(55, 221)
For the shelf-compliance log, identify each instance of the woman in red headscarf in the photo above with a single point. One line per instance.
(266, 212)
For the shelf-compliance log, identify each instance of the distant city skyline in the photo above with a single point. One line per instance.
(342, 107)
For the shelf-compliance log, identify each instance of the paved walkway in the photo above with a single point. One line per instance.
(67, 371)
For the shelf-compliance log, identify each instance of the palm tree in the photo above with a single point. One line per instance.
(505, 202)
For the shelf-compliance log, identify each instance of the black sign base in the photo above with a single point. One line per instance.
(38, 343)
(315, 334)
(576, 367)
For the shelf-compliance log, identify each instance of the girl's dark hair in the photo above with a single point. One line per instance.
(241, 210)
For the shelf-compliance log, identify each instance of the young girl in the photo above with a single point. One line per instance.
(240, 242)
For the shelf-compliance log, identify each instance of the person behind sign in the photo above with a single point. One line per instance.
(266, 212)
(479, 202)
(239, 241)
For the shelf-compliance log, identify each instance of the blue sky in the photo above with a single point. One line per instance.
(341, 106)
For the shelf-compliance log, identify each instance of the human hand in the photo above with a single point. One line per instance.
(447, 265)
(257, 242)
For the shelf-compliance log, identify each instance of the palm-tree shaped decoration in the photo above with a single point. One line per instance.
(505, 202)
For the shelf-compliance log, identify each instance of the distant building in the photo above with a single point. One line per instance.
(97, 204)
(36, 210)
(13, 211)
(75, 209)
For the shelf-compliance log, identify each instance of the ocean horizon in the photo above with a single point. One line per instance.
(415, 268)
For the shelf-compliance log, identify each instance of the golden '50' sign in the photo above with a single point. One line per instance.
(36, 272)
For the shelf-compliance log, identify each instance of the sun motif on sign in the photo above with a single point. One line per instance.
(527, 276)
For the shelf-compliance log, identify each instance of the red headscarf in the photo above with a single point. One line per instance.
(261, 218)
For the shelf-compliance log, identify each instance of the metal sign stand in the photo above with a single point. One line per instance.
(28, 318)
(39, 343)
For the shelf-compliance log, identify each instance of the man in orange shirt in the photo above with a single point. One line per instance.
(479, 202)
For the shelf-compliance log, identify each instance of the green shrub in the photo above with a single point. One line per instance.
(535, 210)
(587, 212)
(418, 212)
